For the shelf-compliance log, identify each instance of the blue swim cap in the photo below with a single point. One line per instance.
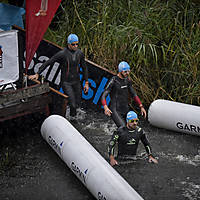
(131, 115)
(72, 38)
(123, 66)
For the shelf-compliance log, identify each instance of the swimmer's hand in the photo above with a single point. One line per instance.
(32, 77)
(107, 111)
(113, 161)
(143, 112)
(152, 160)
(86, 87)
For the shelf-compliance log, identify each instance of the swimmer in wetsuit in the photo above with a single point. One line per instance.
(128, 139)
(119, 88)
(69, 59)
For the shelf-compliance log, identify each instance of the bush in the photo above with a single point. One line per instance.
(159, 39)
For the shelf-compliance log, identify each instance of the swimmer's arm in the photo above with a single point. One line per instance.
(111, 148)
(148, 149)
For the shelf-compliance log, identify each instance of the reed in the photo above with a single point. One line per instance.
(159, 39)
(6, 160)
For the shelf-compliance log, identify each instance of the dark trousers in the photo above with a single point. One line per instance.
(118, 118)
(73, 90)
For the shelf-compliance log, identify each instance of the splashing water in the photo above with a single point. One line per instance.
(191, 190)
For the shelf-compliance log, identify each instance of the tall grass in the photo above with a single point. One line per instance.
(159, 39)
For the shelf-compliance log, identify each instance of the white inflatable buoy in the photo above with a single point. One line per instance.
(175, 116)
(102, 180)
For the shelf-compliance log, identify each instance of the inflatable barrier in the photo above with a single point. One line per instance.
(175, 116)
(102, 180)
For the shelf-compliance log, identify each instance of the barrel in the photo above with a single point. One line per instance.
(175, 116)
(100, 178)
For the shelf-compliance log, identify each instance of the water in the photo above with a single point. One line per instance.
(30, 169)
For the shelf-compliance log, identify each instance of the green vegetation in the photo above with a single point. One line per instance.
(6, 160)
(158, 38)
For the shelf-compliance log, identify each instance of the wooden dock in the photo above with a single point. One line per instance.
(23, 101)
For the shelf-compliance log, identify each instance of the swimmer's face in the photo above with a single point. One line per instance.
(132, 123)
(125, 73)
(73, 46)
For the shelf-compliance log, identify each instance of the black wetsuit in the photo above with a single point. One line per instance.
(70, 78)
(128, 141)
(119, 90)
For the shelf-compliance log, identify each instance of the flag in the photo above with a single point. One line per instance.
(39, 14)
